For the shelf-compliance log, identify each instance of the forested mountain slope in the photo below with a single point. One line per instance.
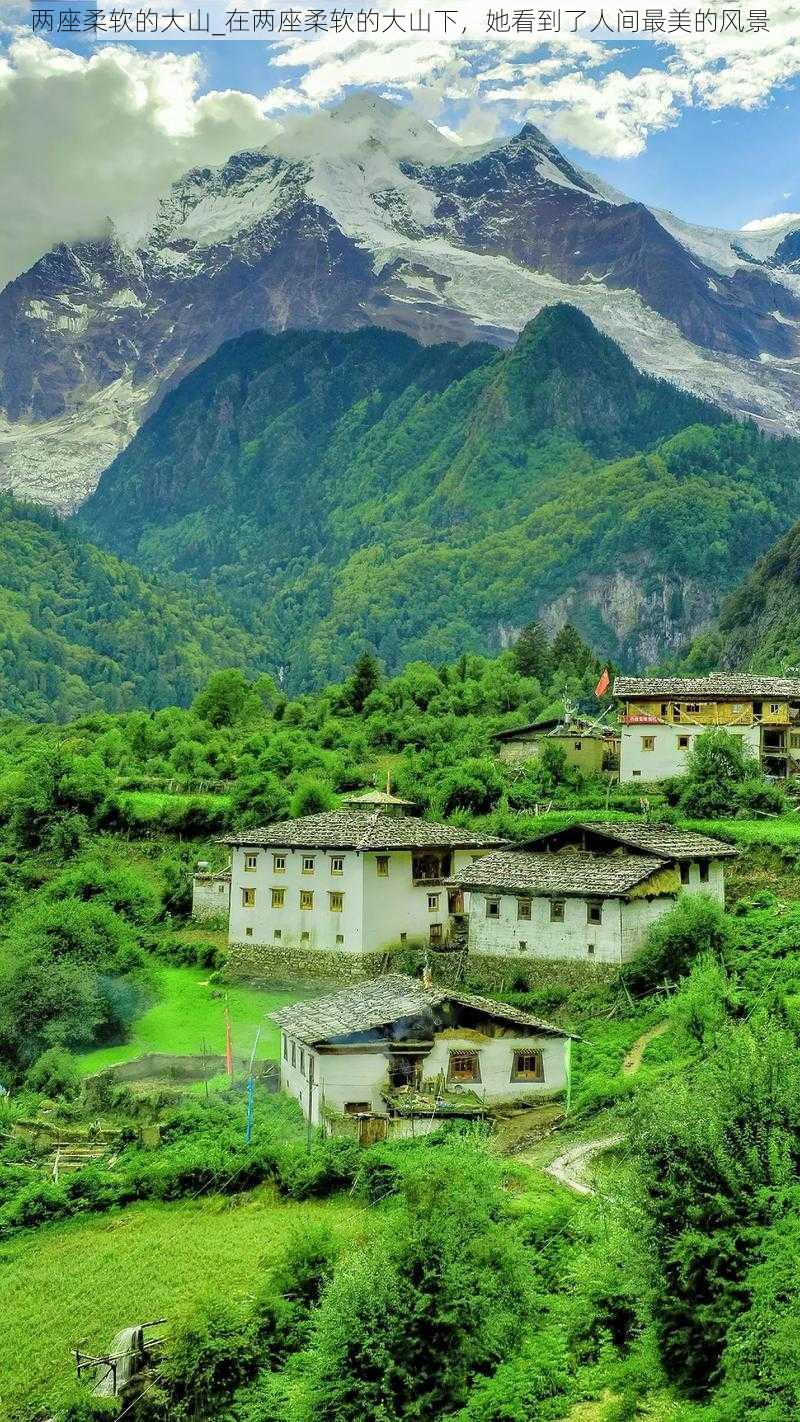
(759, 623)
(81, 631)
(358, 489)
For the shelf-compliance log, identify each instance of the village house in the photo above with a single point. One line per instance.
(591, 749)
(595, 908)
(352, 882)
(211, 892)
(662, 716)
(699, 859)
(399, 1050)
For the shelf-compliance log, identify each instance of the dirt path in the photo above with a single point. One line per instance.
(572, 1168)
(633, 1058)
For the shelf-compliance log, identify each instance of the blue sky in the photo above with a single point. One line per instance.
(706, 127)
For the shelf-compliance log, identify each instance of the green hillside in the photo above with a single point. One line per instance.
(80, 631)
(759, 624)
(360, 489)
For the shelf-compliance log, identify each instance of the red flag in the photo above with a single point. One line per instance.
(603, 684)
(228, 1044)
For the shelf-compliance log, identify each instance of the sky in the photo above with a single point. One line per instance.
(705, 125)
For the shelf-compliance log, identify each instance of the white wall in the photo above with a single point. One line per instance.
(496, 1056)
(394, 905)
(319, 923)
(666, 758)
(501, 936)
(210, 895)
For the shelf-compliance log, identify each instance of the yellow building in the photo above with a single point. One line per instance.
(662, 716)
(591, 749)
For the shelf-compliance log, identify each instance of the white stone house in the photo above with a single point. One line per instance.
(572, 906)
(396, 1047)
(662, 717)
(348, 882)
(211, 893)
(699, 859)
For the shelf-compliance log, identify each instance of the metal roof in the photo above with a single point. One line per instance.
(353, 829)
(382, 1001)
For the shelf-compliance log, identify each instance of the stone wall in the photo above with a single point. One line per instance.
(273, 965)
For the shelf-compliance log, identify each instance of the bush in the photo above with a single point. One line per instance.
(695, 925)
(54, 1073)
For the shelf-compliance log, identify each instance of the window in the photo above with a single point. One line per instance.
(774, 707)
(340, 938)
(220, 888)
(794, 741)
(276, 933)
(248, 898)
(285, 1050)
(594, 911)
(524, 908)
(279, 863)
(527, 1066)
(464, 1066)
(692, 707)
(302, 1062)
(648, 743)
(522, 945)
(436, 933)
(294, 1054)
(250, 862)
(556, 910)
(433, 903)
(758, 707)
(337, 864)
(578, 745)
(308, 864)
(336, 902)
(403, 937)
(684, 873)
(664, 710)
(703, 871)
(492, 908)
(590, 949)
(248, 933)
(305, 937)
(683, 742)
(278, 898)
(356, 1108)
(382, 866)
(635, 773)
(306, 898)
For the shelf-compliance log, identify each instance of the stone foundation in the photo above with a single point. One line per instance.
(265, 965)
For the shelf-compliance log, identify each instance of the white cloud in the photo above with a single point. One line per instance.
(82, 140)
(764, 224)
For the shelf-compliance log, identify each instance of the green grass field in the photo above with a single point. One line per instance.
(87, 1279)
(152, 802)
(186, 1012)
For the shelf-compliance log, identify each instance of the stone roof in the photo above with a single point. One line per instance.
(384, 1000)
(354, 829)
(720, 686)
(600, 875)
(375, 797)
(554, 728)
(660, 841)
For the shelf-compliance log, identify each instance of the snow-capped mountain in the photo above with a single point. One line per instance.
(373, 216)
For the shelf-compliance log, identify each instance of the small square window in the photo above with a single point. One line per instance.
(340, 938)
(308, 864)
(703, 871)
(556, 910)
(594, 911)
(403, 937)
(578, 745)
(524, 908)
(683, 742)
(433, 903)
(774, 708)
(337, 864)
(278, 898)
(522, 944)
(248, 933)
(250, 862)
(664, 710)
(336, 902)
(527, 1066)
(279, 863)
(464, 1066)
(248, 898)
(590, 949)
(382, 865)
(492, 908)
(636, 772)
(276, 933)
(305, 937)
(306, 898)
(648, 743)
(692, 707)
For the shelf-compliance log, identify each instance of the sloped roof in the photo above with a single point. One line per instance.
(661, 841)
(355, 829)
(603, 875)
(384, 1000)
(554, 728)
(375, 797)
(719, 685)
